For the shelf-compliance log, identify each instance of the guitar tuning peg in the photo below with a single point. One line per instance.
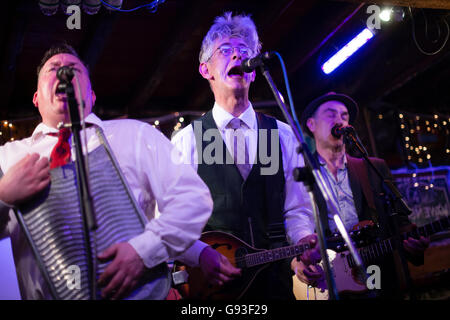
(361, 242)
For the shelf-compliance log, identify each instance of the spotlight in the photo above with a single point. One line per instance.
(49, 7)
(91, 6)
(112, 3)
(66, 3)
(398, 14)
(385, 14)
(349, 49)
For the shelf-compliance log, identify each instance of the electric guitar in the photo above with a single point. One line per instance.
(241, 255)
(343, 265)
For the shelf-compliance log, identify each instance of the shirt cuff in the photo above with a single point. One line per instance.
(191, 256)
(300, 235)
(148, 246)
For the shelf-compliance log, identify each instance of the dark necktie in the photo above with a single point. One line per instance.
(240, 147)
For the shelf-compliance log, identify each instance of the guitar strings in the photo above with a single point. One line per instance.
(270, 257)
(255, 255)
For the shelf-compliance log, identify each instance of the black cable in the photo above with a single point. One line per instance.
(413, 23)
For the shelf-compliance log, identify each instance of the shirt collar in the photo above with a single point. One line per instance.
(223, 117)
(43, 129)
(323, 163)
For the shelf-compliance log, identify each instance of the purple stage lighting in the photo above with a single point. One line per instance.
(350, 48)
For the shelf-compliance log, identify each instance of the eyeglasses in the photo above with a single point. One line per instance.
(226, 50)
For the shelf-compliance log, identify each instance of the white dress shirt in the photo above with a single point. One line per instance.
(148, 161)
(297, 207)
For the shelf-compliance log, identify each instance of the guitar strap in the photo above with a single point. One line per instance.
(361, 169)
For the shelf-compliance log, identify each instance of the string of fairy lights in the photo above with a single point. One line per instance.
(9, 126)
(423, 135)
(17, 129)
(169, 124)
(424, 138)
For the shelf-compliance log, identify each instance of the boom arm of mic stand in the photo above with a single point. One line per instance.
(319, 178)
(392, 192)
(83, 185)
(76, 128)
(392, 189)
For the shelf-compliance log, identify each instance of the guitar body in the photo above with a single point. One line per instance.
(345, 279)
(198, 288)
(370, 248)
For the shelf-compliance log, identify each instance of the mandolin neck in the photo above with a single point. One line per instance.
(266, 256)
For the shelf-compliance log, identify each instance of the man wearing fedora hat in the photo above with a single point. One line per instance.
(355, 188)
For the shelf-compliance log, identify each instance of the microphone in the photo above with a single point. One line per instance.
(65, 74)
(248, 65)
(338, 130)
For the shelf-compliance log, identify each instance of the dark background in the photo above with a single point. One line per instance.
(144, 65)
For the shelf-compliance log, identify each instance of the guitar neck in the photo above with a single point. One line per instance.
(381, 248)
(263, 257)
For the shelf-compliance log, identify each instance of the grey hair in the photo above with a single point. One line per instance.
(239, 26)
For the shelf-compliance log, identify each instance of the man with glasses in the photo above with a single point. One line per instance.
(258, 207)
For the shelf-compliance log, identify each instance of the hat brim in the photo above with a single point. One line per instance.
(311, 108)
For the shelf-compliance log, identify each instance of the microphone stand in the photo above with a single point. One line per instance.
(392, 198)
(309, 175)
(86, 204)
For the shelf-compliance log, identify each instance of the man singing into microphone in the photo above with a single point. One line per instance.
(356, 190)
(144, 157)
(259, 208)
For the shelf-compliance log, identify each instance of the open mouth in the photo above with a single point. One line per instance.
(61, 97)
(60, 93)
(60, 89)
(236, 71)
